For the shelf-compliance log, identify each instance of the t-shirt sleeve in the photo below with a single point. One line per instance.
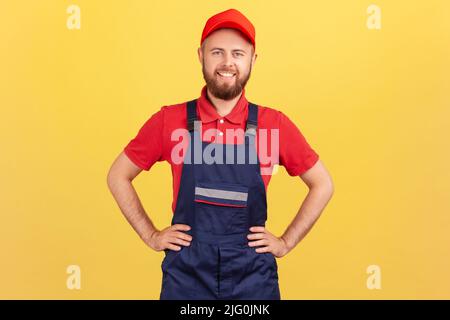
(296, 155)
(147, 146)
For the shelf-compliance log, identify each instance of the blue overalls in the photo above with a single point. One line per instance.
(220, 202)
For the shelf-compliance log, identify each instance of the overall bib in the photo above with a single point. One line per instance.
(220, 201)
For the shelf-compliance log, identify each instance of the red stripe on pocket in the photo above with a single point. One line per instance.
(220, 204)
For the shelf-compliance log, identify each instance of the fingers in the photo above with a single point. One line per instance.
(182, 235)
(263, 242)
(255, 236)
(262, 250)
(173, 247)
(181, 227)
(259, 235)
(257, 229)
(179, 241)
(176, 238)
(261, 239)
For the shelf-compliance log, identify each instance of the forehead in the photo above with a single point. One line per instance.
(227, 38)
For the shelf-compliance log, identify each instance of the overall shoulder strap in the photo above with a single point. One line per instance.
(191, 110)
(252, 119)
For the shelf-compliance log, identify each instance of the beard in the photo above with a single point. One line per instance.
(225, 91)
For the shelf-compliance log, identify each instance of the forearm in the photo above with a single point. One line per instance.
(129, 203)
(310, 210)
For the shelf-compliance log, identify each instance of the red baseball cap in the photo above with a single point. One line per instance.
(230, 18)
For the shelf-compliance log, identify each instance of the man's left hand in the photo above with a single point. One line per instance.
(267, 242)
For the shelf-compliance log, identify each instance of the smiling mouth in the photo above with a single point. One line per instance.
(226, 75)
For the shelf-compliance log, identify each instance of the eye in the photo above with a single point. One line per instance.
(216, 52)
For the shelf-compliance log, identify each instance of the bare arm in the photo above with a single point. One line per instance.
(321, 189)
(120, 177)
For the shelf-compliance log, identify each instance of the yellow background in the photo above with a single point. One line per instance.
(375, 105)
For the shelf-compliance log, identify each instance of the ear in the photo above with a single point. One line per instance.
(254, 58)
(200, 54)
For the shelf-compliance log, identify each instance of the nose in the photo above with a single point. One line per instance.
(228, 59)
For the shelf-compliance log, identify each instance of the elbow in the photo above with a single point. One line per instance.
(110, 179)
(328, 186)
(116, 176)
(324, 187)
(331, 190)
(113, 177)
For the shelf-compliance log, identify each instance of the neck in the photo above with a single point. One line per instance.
(223, 107)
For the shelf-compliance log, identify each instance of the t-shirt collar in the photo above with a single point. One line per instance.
(208, 112)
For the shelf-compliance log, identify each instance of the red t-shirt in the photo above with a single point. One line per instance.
(154, 141)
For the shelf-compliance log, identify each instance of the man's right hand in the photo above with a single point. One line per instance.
(170, 238)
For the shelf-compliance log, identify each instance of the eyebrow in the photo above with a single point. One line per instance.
(221, 49)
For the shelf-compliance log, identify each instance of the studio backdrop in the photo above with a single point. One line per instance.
(367, 83)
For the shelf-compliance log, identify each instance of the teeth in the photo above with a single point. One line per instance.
(226, 74)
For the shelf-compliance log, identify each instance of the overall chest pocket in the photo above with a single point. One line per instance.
(221, 208)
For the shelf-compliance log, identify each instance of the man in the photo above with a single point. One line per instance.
(217, 246)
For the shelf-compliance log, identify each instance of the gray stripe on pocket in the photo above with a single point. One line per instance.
(221, 194)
